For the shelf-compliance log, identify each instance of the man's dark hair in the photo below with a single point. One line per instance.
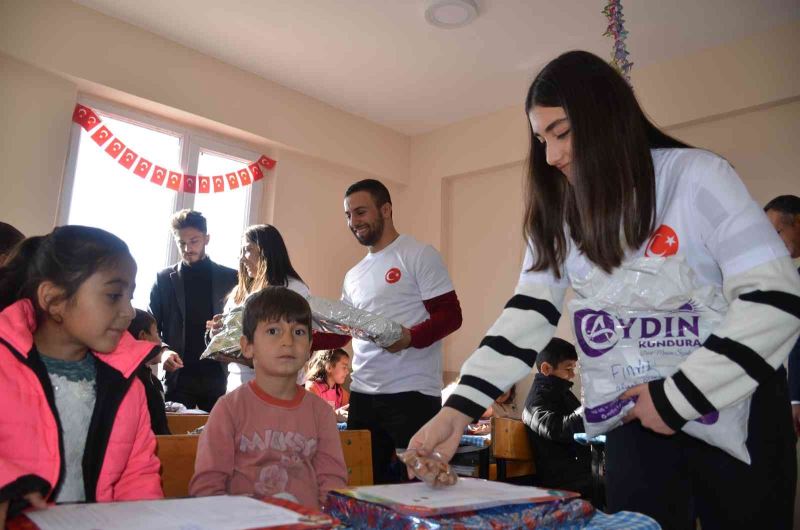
(379, 192)
(273, 304)
(556, 352)
(785, 204)
(143, 321)
(189, 219)
(9, 237)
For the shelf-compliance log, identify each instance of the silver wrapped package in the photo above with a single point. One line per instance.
(330, 316)
(224, 346)
(334, 316)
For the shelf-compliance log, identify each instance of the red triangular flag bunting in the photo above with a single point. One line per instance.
(203, 184)
(85, 117)
(127, 159)
(266, 161)
(159, 174)
(174, 181)
(219, 184)
(101, 135)
(256, 171)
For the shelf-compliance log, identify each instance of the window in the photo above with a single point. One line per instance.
(99, 192)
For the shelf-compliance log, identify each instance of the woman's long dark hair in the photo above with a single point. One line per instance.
(612, 203)
(67, 256)
(274, 266)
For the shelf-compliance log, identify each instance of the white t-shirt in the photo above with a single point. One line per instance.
(239, 374)
(393, 283)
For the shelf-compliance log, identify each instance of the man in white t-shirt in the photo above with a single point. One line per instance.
(396, 390)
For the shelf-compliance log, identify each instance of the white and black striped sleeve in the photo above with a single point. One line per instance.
(756, 336)
(508, 351)
(760, 284)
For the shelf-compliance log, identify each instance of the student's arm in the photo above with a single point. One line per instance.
(552, 425)
(762, 288)
(328, 461)
(140, 479)
(508, 351)
(445, 312)
(213, 466)
(328, 341)
(19, 490)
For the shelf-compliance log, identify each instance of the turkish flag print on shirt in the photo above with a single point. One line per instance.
(663, 242)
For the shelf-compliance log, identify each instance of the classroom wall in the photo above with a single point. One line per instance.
(741, 101)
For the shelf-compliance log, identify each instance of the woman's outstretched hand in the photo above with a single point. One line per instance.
(441, 434)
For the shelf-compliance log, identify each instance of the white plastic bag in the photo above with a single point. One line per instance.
(639, 324)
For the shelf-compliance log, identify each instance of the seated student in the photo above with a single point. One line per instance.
(270, 437)
(74, 425)
(143, 327)
(9, 237)
(327, 372)
(553, 415)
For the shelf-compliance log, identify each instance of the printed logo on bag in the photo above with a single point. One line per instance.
(393, 275)
(709, 419)
(595, 331)
(663, 243)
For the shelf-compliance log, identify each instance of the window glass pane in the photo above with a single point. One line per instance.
(108, 196)
(226, 212)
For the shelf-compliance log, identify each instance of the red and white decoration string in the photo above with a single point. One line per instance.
(175, 180)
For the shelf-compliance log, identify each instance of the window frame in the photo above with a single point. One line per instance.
(192, 142)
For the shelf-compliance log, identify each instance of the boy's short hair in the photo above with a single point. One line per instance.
(188, 219)
(272, 304)
(376, 189)
(556, 352)
(143, 321)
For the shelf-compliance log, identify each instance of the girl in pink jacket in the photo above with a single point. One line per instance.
(75, 425)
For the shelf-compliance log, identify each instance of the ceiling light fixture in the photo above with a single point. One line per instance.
(450, 14)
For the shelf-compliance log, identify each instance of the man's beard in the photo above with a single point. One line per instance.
(373, 235)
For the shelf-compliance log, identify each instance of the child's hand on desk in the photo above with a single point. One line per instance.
(172, 361)
(35, 498)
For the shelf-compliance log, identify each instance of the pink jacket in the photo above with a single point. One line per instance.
(119, 462)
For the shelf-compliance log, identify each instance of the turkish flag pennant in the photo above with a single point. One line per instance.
(101, 135)
(219, 184)
(266, 161)
(174, 181)
(127, 159)
(203, 184)
(159, 174)
(244, 176)
(256, 171)
(233, 182)
(143, 167)
(85, 117)
(114, 148)
(189, 183)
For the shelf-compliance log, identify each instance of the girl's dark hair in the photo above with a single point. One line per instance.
(143, 321)
(67, 256)
(318, 365)
(273, 304)
(274, 266)
(612, 203)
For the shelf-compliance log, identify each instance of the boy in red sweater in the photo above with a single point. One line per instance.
(270, 437)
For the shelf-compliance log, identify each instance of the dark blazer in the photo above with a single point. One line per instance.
(168, 301)
(552, 416)
(794, 370)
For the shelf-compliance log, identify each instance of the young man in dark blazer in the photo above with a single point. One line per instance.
(183, 298)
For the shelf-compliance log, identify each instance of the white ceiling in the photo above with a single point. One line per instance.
(379, 59)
